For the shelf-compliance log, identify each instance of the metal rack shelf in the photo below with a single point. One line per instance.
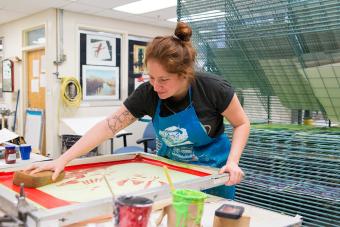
(294, 172)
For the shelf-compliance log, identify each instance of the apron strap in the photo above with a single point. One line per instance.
(158, 108)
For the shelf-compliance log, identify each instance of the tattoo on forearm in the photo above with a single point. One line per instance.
(120, 120)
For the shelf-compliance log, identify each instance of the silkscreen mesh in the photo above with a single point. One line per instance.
(274, 49)
(283, 58)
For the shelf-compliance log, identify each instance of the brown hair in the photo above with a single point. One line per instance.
(175, 53)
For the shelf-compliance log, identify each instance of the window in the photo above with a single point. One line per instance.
(36, 37)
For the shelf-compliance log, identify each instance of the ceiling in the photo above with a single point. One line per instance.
(14, 9)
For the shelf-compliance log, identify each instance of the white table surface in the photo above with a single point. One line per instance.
(79, 126)
(19, 162)
(258, 217)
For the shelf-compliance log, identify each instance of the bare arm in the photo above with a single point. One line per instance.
(241, 127)
(102, 131)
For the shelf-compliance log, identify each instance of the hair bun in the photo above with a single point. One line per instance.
(183, 31)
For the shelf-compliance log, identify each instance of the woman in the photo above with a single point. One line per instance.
(187, 110)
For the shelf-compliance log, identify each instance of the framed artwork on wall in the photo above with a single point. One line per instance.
(100, 82)
(138, 59)
(100, 50)
(99, 66)
(7, 76)
(137, 69)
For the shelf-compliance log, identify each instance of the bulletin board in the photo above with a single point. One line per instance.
(34, 124)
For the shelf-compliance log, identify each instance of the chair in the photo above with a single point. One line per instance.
(67, 141)
(148, 140)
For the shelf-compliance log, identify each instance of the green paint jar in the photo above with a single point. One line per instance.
(188, 205)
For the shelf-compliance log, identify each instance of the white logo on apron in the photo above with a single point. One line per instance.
(174, 136)
(179, 146)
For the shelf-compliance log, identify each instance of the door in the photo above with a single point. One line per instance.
(36, 83)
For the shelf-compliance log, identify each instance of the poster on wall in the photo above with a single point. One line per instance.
(100, 82)
(100, 50)
(7, 75)
(138, 58)
(137, 69)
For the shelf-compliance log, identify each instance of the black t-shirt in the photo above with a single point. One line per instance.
(210, 96)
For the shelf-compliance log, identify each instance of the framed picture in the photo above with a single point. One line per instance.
(137, 67)
(100, 82)
(7, 76)
(100, 50)
(138, 59)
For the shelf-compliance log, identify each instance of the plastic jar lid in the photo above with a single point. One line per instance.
(10, 147)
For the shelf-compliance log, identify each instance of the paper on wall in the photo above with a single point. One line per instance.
(42, 80)
(43, 64)
(36, 68)
(35, 85)
(33, 129)
(140, 80)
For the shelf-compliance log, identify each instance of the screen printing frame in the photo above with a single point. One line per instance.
(81, 211)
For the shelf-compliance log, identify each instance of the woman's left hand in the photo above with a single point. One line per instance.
(235, 173)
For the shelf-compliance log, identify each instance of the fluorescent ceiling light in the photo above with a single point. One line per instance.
(213, 14)
(145, 6)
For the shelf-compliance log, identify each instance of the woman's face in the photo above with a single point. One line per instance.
(166, 84)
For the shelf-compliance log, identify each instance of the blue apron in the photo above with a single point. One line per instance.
(183, 138)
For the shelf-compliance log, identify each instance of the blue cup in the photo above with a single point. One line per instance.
(25, 151)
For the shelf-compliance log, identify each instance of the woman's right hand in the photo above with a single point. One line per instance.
(57, 166)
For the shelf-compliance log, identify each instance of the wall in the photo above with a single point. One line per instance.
(13, 46)
(71, 23)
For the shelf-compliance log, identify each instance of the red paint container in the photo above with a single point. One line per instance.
(132, 211)
(10, 155)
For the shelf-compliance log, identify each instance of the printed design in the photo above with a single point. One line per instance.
(88, 184)
(139, 179)
(182, 153)
(90, 177)
(174, 136)
(179, 147)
